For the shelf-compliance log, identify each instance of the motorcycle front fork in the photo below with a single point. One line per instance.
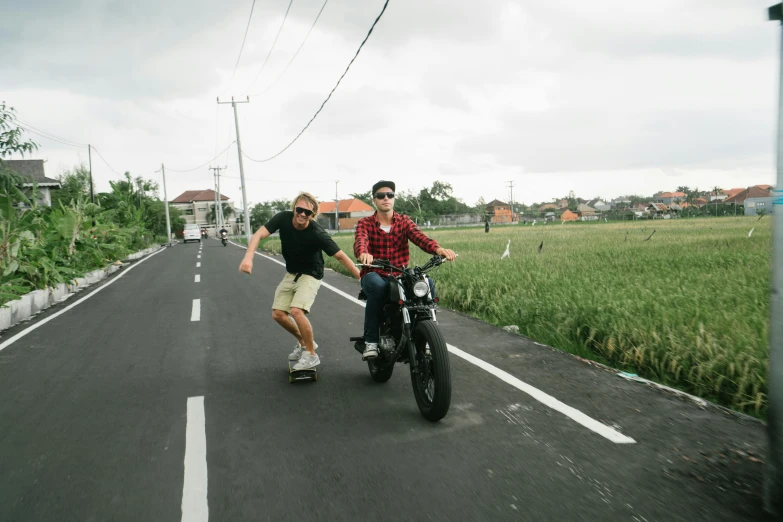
(408, 334)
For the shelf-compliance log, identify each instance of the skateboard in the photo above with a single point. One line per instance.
(311, 374)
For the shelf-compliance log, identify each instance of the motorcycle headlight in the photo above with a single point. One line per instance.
(421, 288)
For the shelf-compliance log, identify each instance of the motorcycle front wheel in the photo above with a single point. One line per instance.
(432, 383)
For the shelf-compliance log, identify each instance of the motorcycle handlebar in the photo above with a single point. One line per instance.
(436, 260)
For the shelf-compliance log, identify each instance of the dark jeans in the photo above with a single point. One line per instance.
(374, 287)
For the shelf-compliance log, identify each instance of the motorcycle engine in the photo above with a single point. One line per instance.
(386, 343)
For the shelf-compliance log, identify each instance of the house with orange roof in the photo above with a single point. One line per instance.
(500, 212)
(567, 215)
(548, 207)
(667, 198)
(349, 212)
(732, 192)
(752, 199)
(750, 192)
(196, 205)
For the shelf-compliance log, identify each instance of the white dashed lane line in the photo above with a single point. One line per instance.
(195, 314)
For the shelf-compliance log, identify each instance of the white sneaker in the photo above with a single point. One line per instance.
(307, 361)
(370, 351)
(298, 349)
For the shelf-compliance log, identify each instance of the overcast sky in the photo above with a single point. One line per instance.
(604, 98)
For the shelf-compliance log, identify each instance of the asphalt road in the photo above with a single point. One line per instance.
(133, 405)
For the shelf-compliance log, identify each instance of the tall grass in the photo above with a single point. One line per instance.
(688, 308)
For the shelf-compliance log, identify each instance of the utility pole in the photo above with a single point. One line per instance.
(218, 198)
(773, 486)
(89, 155)
(166, 201)
(214, 199)
(233, 103)
(511, 187)
(220, 201)
(336, 209)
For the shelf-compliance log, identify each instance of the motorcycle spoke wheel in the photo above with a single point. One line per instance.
(432, 382)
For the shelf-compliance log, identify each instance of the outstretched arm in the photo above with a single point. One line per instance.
(347, 263)
(247, 261)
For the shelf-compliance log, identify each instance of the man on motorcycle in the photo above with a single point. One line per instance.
(385, 235)
(302, 240)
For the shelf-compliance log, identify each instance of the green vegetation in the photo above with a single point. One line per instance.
(41, 246)
(688, 308)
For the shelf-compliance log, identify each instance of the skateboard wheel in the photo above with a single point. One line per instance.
(315, 377)
(290, 379)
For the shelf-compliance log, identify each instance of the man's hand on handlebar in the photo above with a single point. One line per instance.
(365, 259)
(445, 252)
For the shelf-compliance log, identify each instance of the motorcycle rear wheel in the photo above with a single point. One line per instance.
(432, 385)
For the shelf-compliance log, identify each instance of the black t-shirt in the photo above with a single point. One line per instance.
(302, 248)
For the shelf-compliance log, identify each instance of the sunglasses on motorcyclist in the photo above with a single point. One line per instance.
(381, 195)
(306, 211)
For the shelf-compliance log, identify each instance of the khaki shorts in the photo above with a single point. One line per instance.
(300, 294)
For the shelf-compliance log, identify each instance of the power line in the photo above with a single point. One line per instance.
(280, 180)
(46, 134)
(330, 94)
(52, 139)
(205, 163)
(247, 28)
(297, 51)
(272, 48)
(104, 160)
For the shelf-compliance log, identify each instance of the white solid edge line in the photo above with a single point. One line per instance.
(42, 322)
(195, 314)
(588, 422)
(543, 397)
(198, 278)
(194, 488)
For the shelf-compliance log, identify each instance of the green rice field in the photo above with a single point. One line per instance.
(688, 308)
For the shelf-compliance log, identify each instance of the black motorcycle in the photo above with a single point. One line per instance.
(224, 238)
(409, 334)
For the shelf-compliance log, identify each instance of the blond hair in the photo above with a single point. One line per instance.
(310, 199)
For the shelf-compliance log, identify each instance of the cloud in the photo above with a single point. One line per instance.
(621, 95)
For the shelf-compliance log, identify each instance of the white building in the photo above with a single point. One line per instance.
(33, 173)
(196, 206)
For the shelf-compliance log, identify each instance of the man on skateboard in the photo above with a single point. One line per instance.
(302, 241)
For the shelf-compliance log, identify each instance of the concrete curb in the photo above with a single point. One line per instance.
(29, 305)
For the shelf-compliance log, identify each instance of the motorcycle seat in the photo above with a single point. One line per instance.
(362, 296)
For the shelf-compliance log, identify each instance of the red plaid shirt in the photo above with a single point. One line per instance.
(392, 246)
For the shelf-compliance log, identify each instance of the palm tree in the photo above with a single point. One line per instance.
(227, 211)
(716, 190)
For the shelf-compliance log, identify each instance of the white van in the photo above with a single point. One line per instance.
(192, 232)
